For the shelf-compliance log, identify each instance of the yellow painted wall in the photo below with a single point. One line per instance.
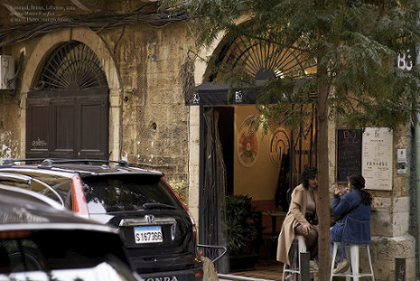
(259, 180)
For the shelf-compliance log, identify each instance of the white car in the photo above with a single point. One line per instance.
(43, 242)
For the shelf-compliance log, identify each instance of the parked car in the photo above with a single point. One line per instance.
(40, 242)
(159, 234)
(23, 185)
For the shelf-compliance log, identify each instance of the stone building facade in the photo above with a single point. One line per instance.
(146, 68)
(148, 121)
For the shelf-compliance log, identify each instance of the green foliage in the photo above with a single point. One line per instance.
(356, 42)
(180, 187)
(243, 224)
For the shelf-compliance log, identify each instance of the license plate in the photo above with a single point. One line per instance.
(148, 234)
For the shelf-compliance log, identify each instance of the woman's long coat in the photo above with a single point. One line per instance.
(294, 217)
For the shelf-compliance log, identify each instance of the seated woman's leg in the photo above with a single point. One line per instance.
(311, 239)
(334, 237)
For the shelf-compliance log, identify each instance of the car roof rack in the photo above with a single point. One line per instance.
(49, 162)
(12, 161)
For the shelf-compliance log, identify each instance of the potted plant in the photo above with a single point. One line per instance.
(244, 232)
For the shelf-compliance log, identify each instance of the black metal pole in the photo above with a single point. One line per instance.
(304, 266)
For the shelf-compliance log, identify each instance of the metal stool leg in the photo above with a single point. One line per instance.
(335, 248)
(370, 262)
(284, 272)
(354, 257)
(300, 247)
(349, 272)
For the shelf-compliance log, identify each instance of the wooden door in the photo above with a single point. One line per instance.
(67, 124)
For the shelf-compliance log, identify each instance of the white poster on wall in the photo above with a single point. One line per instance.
(377, 158)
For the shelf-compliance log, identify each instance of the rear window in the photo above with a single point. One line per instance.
(114, 193)
(54, 187)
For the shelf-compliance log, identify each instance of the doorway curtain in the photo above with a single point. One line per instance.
(213, 188)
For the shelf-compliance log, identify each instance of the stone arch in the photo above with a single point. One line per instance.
(86, 36)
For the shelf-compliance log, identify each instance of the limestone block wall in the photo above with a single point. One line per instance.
(12, 106)
(148, 117)
(154, 116)
(9, 121)
(390, 222)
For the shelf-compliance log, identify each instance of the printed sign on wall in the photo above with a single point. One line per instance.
(377, 158)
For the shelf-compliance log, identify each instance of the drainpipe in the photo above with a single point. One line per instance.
(417, 181)
(417, 178)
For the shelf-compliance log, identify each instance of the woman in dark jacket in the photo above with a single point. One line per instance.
(353, 209)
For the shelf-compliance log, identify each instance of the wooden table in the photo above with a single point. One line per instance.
(274, 214)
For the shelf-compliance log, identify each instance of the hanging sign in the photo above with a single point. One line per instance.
(377, 158)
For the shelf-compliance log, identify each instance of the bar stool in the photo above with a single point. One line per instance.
(352, 250)
(299, 243)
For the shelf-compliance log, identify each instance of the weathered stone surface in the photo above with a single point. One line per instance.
(385, 250)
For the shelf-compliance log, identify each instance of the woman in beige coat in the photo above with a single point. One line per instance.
(301, 218)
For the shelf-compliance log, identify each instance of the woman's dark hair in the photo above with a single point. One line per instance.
(309, 173)
(359, 182)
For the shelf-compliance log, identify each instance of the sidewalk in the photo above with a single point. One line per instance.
(262, 272)
(228, 277)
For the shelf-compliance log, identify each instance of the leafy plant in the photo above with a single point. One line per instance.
(180, 187)
(243, 224)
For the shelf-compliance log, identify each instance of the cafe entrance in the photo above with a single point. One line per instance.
(239, 157)
(239, 161)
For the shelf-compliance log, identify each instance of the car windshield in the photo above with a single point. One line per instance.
(113, 193)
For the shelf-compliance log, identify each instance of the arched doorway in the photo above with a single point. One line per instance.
(67, 106)
(236, 160)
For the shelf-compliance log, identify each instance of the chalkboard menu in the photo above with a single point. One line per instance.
(349, 153)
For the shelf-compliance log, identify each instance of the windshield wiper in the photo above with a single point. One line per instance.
(157, 206)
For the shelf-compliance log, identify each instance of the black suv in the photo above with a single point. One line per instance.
(158, 233)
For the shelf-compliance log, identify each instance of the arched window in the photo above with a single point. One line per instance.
(263, 59)
(72, 66)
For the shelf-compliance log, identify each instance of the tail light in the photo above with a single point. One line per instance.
(194, 227)
(15, 234)
(79, 199)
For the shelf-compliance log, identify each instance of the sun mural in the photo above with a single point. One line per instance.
(279, 146)
(247, 147)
